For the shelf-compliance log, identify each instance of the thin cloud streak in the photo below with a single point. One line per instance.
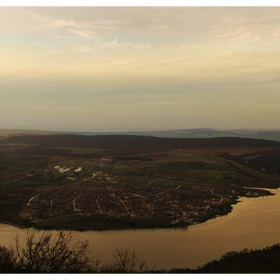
(140, 65)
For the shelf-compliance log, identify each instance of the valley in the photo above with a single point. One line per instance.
(123, 182)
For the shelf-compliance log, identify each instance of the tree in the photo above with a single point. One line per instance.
(125, 262)
(7, 260)
(63, 253)
(48, 255)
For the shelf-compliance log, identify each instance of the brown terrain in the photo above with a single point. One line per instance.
(118, 181)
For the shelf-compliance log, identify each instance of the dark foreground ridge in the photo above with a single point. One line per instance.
(265, 260)
(106, 182)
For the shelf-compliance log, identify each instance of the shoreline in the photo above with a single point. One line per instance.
(127, 223)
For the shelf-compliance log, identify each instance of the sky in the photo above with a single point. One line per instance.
(120, 68)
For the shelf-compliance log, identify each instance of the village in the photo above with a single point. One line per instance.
(118, 187)
(106, 194)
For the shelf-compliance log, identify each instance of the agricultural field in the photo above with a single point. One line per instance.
(118, 181)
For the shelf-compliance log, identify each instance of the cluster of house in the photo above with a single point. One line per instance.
(67, 169)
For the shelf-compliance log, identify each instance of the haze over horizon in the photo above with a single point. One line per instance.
(139, 68)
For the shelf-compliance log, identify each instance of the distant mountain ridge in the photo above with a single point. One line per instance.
(200, 133)
(272, 134)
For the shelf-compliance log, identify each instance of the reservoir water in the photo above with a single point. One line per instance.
(254, 223)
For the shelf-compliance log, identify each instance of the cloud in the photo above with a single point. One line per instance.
(84, 34)
(63, 23)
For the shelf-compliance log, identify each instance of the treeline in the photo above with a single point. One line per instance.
(266, 260)
(64, 253)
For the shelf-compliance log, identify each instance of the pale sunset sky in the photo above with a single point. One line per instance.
(139, 68)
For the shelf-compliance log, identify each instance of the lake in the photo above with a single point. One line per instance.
(254, 223)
